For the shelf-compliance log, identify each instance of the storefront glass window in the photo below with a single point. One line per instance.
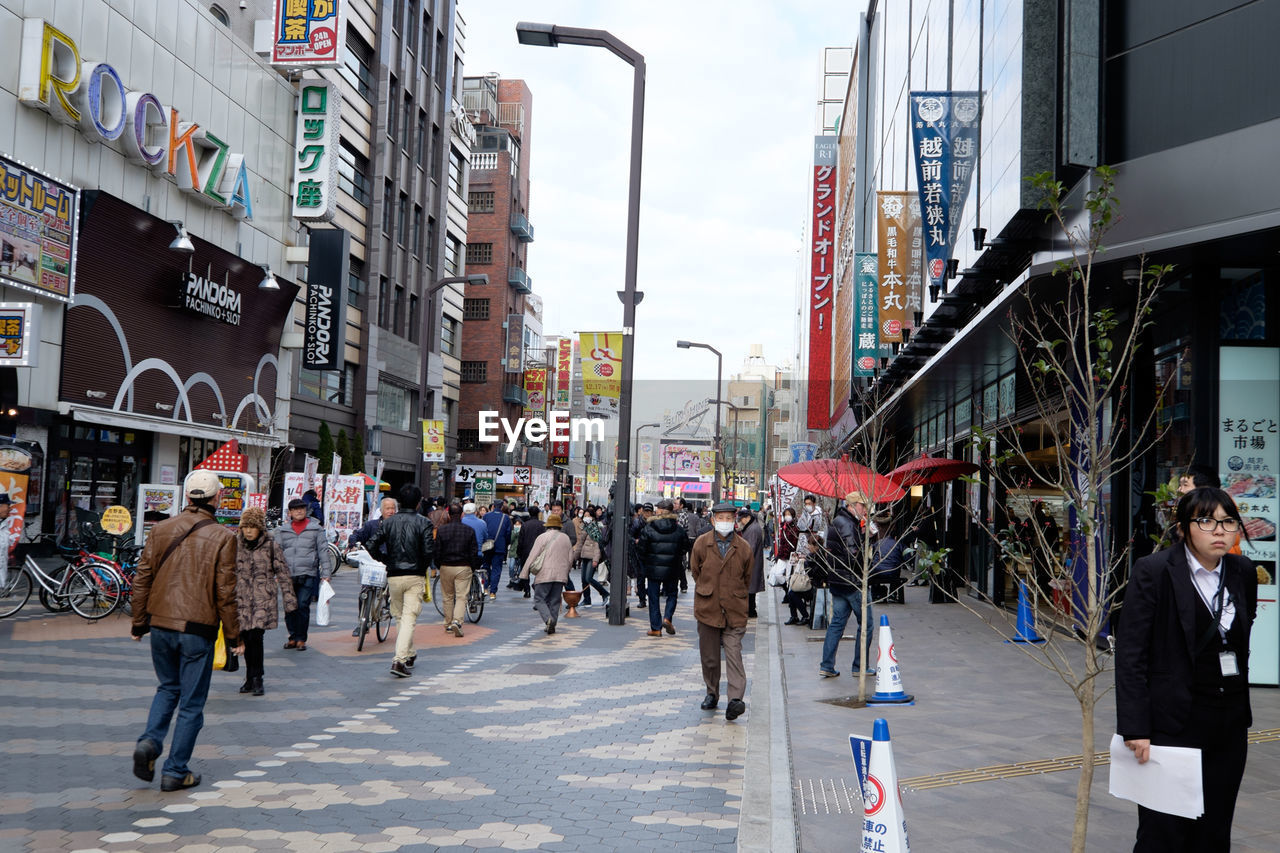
(1243, 316)
(331, 386)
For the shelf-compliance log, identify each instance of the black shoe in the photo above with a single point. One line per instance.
(177, 783)
(258, 689)
(751, 614)
(735, 709)
(551, 627)
(247, 686)
(144, 759)
(526, 593)
(399, 670)
(644, 603)
(710, 703)
(792, 621)
(413, 658)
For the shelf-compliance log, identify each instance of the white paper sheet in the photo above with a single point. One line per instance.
(1169, 782)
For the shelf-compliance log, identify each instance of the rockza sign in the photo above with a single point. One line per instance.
(90, 95)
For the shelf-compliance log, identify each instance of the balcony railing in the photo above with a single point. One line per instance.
(484, 161)
(514, 394)
(482, 104)
(511, 116)
(521, 227)
(519, 279)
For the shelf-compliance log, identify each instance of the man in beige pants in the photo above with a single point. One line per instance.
(721, 563)
(458, 553)
(406, 540)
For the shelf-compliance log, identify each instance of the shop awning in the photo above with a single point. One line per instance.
(169, 426)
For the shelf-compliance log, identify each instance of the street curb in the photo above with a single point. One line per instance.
(767, 821)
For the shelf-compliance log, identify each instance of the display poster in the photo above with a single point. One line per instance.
(601, 355)
(679, 460)
(706, 465)
(803, 451)
(898, 244)
(343, 505)
(1249, 460)
(593, 475)
(535, 392)
(231, 500)
(433, 441)
(256, 499)
(308, 32)
(116, 520)
(18, 466)
(38, 221)
(944, 137)
(156, 502)
(866, 314)
(295, 485)
(822, 265)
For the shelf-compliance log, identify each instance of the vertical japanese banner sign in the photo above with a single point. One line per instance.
(866, 314)
(432, 441)
(564, 373)
(944, 136)
(535, 389)
(514, 359)
(318, 133)
(897, 218)
(821, 274)
(344, 505)
(1249, 459)
(601, 354)
(706, 465)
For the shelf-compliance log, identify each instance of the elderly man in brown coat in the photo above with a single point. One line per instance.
(721, 565)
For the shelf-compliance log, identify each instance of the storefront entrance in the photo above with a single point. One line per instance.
(92, 468)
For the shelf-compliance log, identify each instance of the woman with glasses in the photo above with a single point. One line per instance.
(1182, 665)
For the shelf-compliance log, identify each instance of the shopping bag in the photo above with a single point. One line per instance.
(220, 651)
(322, 608)
(778, 573)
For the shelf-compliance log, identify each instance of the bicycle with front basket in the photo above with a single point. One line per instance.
(93, 590)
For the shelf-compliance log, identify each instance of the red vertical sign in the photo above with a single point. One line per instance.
(821, 276)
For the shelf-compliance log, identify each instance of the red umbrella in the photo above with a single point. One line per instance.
(930, 469)
(836, 478)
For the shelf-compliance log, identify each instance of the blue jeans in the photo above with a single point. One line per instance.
(494, 563)
(305, 587)
(589, 581)
(183, 663)
(670, 588)
(844, 601)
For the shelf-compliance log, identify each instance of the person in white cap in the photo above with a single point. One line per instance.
(470, 520)
(185, 586)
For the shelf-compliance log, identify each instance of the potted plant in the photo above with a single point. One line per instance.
(932, 563)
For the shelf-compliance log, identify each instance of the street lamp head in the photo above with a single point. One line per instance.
(683, 344)
(478, 278)
(537, 35)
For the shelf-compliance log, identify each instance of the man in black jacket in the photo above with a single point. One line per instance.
(846, 539)
(661, 547)
(458, 554)
(406, 540)
(530, 530)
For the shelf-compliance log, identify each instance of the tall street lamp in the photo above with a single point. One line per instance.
(715, 483)
(550, 35)
(429, 344)
(635, 493)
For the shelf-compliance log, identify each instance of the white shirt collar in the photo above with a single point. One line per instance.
(1195, 564)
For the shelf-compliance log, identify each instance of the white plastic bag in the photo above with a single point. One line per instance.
(322, 608)
(778, 573)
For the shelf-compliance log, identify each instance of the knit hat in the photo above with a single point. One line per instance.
(253, 517)
(553, 520)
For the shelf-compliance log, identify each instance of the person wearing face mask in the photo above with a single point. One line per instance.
(721, 565)
(812, 526)
(845, 557)
(785, 549)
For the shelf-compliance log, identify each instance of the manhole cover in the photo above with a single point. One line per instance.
(536, 669)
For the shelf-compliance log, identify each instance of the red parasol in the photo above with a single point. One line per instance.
(836, 478)
(927, 470)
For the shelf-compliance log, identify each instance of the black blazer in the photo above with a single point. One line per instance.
(1156, 641)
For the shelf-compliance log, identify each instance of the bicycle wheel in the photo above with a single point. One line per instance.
(94, 591)
(435, 594)
(475, 597)
(51, 602)
(332, 556)
(382, 625)
(365, 606)
(15, 589)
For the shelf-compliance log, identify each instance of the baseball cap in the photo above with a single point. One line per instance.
(468, 508)
(202, 485)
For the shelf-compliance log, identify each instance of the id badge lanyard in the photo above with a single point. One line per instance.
(1216, 607)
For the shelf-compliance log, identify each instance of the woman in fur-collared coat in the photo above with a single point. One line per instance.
(260, 570)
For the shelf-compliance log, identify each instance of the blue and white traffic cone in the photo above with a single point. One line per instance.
(1026, 619)
(884, 826)
(888, 673)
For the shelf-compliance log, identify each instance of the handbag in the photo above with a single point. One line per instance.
(799, 580)
(536, 565)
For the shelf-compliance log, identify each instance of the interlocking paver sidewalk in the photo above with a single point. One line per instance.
(980, 702)
(590, 739)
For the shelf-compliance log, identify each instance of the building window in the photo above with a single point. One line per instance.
(475, 371)
(408, 123)
(452, 256)
(393, 107)
(395, 406)
(353, 174)
(397, 311)
(475, 309)
(449, 337)
(430, 257)
(357, 60)
(415, 320)
(330, 386)
(515, 160)
(479, 253)
(457, 172)
(412, 24)
(425, 56)
(384, 300)
(403, 212)
(355, 283)
(436, 164)
(439, 73)
(397, 16)
(421, 153)
(388, 213)
(479, 202)
(218, 12)
(469, 441)
(417, 230)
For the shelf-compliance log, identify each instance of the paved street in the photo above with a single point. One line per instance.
(588, 740)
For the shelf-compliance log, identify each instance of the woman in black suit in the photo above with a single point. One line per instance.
(1182, 665)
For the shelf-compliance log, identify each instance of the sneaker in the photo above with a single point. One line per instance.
(655, 633)
(826, 673)
(871, 670)
(735, 709)
(457, 629)
(493, 596)
(144, 759)
(399, 670)
(586, 605)
(178, 783)
(668, 627)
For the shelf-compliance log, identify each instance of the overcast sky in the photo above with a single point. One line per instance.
(730, 112)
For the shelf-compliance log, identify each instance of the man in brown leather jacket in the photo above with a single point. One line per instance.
(721, 565)
(185, 586)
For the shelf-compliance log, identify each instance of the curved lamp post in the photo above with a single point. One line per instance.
(715, 483)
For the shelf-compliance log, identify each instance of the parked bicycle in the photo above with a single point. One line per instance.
(476, 595)
(93, 590)
(373, 604)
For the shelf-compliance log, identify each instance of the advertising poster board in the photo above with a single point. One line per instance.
(343, 505)
(156, 502)
(38, 221)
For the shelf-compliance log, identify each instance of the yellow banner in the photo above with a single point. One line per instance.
(432, 441)
(601, 354)
(593, 475)
(706, 465)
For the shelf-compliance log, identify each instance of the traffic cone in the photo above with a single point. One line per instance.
(885, 826)
(888, 673)
(1026, 619)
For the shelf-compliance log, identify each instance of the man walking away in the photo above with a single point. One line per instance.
(749, 529)
(458, 556)
(302, 541)
(721, 568)
(498, 526)
(689, 523)
(406, 539)
(470, 519)
(185, 586)
(662, 547)
(845, 560)
(530, 530)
